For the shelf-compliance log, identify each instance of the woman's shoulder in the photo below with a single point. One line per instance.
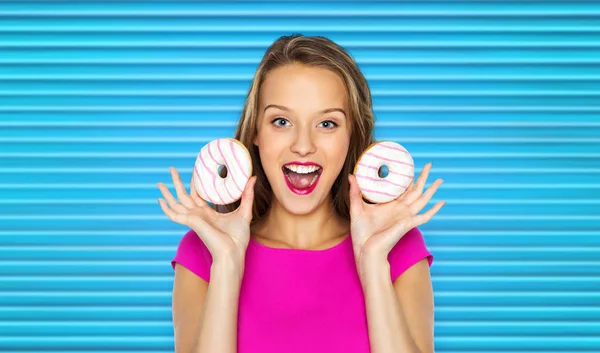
(409, 250)
(193, 254)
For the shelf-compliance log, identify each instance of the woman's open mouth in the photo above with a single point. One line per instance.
(302, 178)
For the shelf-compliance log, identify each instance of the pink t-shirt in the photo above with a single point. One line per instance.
(302, 300)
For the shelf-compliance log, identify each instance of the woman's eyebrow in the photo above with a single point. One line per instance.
(324, 111)
(329, 110)
(278, 107)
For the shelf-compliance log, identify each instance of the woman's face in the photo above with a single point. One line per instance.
(303, 134)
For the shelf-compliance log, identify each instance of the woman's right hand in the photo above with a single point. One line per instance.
(226, 235)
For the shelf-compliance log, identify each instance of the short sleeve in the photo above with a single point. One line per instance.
(409, 250)
(193, 255)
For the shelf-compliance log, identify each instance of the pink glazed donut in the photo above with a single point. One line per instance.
(208, 182)
(401, 171)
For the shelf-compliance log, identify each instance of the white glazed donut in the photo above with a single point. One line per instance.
(209, 184)
(401, 171)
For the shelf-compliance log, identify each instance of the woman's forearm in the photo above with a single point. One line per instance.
(388, 331)
(218, 323)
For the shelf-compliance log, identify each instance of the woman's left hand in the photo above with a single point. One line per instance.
(376, 228)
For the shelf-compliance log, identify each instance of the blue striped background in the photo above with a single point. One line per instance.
(98, 99)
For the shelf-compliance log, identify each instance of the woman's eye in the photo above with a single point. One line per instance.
(279, 121)
(328, 124)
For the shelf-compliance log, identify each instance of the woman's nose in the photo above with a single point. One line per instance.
(303, 145)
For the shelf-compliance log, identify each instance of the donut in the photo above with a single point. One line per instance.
(401, 171)
(208, 180)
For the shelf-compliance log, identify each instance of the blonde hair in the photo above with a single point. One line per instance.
(321, 52)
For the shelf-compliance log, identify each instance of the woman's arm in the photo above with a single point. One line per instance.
(414, 291)
(399, 314)
(395, 317)
(205, 313)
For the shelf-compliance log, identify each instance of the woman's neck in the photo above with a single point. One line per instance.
(319, 229)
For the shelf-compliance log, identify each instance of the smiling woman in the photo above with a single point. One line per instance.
(302, 263)
(303, 126)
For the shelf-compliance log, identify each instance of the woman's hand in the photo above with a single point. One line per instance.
(376, 228)
(225, 235)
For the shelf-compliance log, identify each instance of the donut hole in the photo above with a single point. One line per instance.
(383, 171)
(222, 171)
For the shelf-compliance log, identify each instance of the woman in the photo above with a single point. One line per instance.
(286, 269)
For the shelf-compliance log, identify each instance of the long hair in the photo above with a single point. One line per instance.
(314, 51)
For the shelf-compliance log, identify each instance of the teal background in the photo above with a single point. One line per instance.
(98, 99)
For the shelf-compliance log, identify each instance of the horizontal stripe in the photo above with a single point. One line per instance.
(469, 170)
(59, 278)
(440, 263)
(155, 108)
(30, 263)
(430, 233)
(89, 248)
(268, 28)
(168, 293)
(446, 329)
(170, 185)
(159, 216)
(265, 44)
(286, 5)
(167, 338)
(520, 124)
(67, 233)
(206, 140)
(147, 278)
(481, 242)
(566, 11)
(165, 350)
(83, 308)
(126, 323)
(375, 93)
(144, 247)
(249, 60)
(191, 155)
(231, 77)
(433, 201)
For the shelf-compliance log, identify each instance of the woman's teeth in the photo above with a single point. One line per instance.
(302, 169)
